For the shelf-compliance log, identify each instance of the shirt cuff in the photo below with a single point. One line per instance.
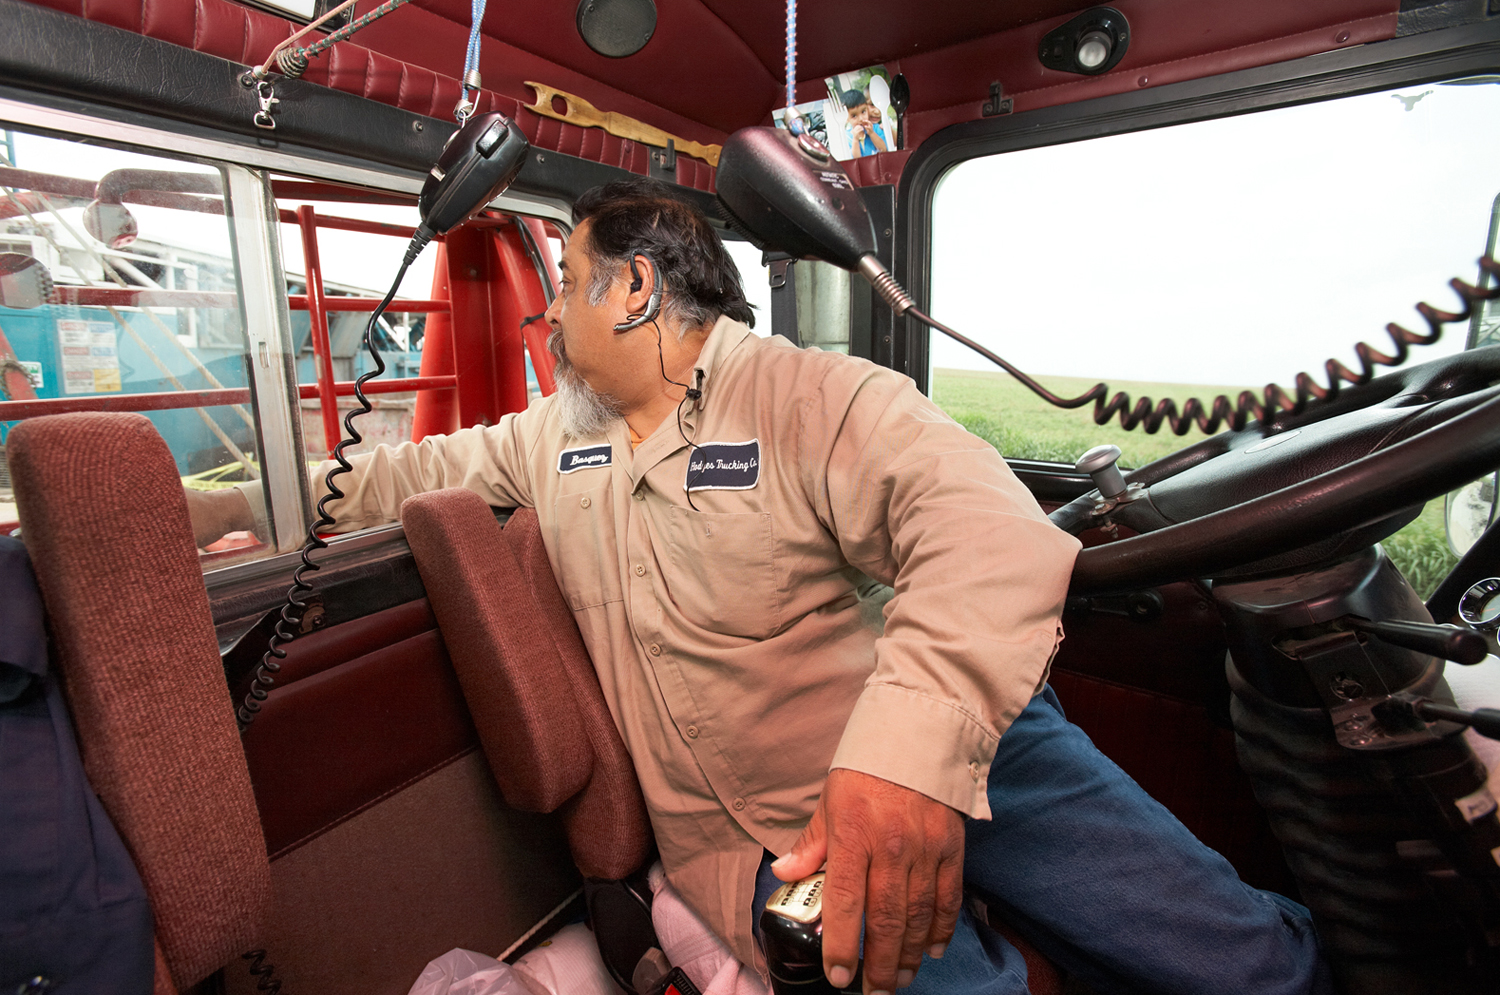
(921, 743)
(255, 495)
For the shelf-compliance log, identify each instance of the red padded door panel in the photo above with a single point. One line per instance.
(331, 744)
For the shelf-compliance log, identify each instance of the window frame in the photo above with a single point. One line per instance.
(255, 239)
(1469, 50)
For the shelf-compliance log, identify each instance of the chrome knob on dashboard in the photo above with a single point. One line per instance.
(1099, 463)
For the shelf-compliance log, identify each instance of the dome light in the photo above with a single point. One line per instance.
(1092, 43)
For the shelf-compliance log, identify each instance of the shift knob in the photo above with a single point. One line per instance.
(1099, 463)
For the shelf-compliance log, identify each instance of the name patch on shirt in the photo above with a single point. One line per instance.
(723, 466)
(582, 459)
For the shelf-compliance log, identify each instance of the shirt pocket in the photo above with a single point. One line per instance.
(588, 561)
(723, 571)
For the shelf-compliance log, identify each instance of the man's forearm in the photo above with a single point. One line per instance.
(216, 513)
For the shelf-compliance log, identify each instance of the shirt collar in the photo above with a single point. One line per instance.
(722, 340)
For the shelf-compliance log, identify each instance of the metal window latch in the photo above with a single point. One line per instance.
(265, 92)
(998, 103)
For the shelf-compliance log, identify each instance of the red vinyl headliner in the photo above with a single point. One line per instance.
(716, 65)
(713, 66)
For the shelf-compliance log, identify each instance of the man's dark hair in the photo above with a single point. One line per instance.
(641, 216)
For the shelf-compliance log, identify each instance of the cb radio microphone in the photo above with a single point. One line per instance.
(479, 161)
(787, 192)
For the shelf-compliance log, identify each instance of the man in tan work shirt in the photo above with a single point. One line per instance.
(716, 507)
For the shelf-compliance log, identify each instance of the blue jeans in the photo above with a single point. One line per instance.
(1108, 884)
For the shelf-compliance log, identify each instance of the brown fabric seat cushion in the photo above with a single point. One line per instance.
(527, 678)
(103, 515)
(610, 812)
(502, 651)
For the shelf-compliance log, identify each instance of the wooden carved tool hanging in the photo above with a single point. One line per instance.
(585, 115)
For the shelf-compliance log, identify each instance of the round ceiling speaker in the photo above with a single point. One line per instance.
(616, 28)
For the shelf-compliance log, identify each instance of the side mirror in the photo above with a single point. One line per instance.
(24, 281)
(1470, 510)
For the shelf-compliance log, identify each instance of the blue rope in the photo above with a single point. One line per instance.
(471, 54)
(791, 53)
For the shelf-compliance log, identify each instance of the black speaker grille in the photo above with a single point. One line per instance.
(616, 28)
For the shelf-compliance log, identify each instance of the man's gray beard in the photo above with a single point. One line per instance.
(584, 411)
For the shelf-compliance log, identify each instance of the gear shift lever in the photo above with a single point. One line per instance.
(1099, 463)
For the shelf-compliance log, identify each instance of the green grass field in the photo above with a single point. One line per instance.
(1021, 425)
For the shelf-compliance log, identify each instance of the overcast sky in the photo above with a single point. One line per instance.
(1233, 251)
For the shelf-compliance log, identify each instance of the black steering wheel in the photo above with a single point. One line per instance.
(1301, 490)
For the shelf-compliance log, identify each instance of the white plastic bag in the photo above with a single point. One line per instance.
(464, 972)
(567, 964)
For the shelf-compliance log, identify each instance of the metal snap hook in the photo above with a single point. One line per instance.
(265, 92)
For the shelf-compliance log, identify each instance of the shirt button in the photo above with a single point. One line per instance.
(739, 804)
(639, 495)
(974, 769)
(640, 571)
(692, 732)
(655, 649)
(584, 503)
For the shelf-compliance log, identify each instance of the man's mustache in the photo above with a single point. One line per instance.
(556, 347)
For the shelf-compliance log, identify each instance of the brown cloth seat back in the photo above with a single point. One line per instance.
(527, 677)
(104, 519)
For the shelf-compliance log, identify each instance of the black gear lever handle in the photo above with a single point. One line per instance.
(1398, 711)
(1485, 721)
(1451, 642)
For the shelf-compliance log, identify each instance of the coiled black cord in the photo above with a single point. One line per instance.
(264, 974)
(1274, 399)
(292, 611)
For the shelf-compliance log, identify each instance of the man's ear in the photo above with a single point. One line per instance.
(642, 279)
(643, 299)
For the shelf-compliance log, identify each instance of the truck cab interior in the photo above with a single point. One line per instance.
(188, 250)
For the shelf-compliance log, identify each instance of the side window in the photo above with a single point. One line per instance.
(755, 277)
(1207, 258)
(339, 258)
(121, 291)
(821, 290)
(463, 342)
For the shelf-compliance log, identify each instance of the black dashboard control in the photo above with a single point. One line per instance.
(1451, 642)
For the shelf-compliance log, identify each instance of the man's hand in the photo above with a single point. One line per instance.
(213, 513)
(894, 856)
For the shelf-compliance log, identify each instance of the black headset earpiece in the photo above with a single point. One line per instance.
(653, 303)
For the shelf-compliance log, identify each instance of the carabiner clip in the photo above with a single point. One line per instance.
(265, 92)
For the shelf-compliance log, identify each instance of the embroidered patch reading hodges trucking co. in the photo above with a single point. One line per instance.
(723, 466)
(582, 459)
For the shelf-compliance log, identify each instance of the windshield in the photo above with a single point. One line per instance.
(1208, 256)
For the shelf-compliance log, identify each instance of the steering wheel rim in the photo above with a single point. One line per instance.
(1364, 490)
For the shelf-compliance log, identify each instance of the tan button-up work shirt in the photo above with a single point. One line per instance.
(731, 640)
